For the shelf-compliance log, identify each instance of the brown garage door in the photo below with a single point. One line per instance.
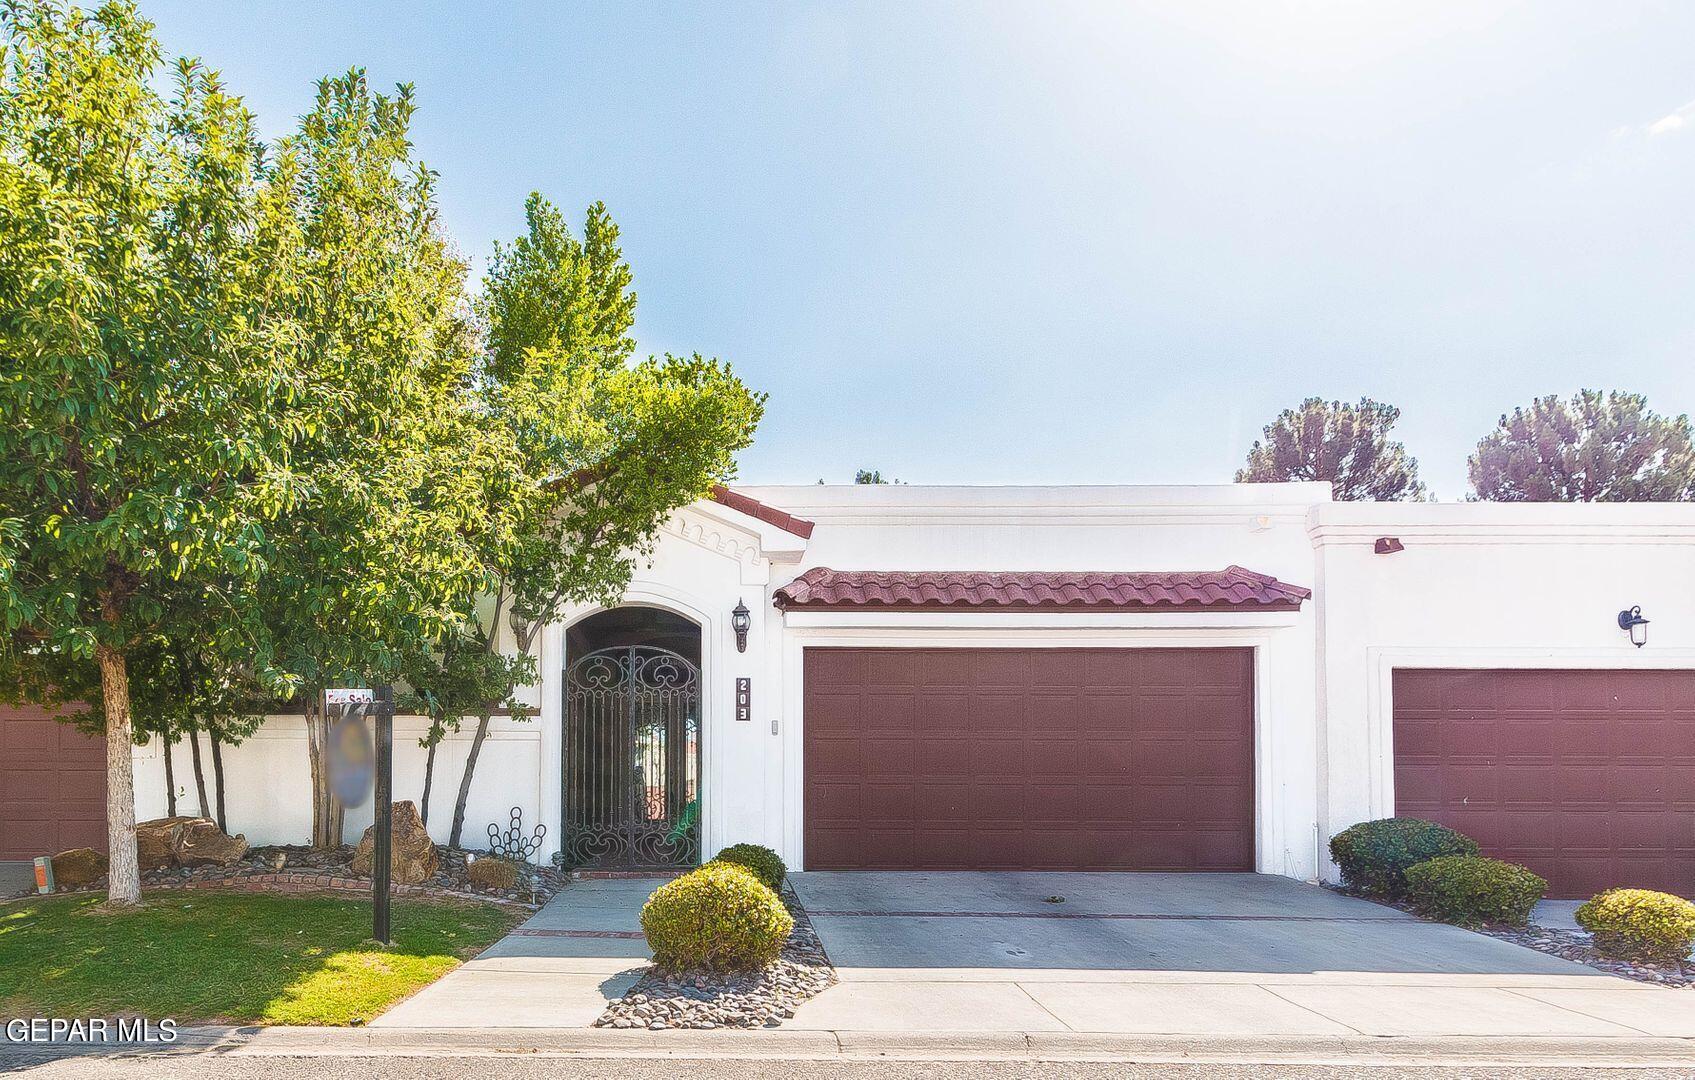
(1586, 777)
(52, 785)
(1061, 759)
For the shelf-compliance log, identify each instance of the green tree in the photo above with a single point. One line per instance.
(402, 463)
(139, 451)
(1348, 445)
(1594, 448)
(870, 476)
(596, 451)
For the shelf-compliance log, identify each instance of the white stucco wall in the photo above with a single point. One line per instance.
(267, 780)
(1480, 585)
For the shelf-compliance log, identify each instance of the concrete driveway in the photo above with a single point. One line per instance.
(1176, 954)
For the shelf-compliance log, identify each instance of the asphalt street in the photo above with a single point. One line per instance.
(205, 1066)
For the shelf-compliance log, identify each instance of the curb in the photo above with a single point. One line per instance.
(960, 1046)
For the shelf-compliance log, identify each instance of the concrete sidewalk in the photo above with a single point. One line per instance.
(1202, 955)
(16, 876)
(559, 969)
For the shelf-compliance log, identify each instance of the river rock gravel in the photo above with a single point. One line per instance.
(661, 1000)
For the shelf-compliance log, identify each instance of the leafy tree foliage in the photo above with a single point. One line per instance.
(870, 476)
(140, 453)
(373, 567)
(596, 451)
(1594, 448)
(1348, 445)
(251, 443)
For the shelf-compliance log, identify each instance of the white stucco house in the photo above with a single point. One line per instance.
(1099, 678)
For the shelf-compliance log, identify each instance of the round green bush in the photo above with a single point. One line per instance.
(1469, 890)
(718, 918)
(766, 864)
(1640, 924)
(1374, 855)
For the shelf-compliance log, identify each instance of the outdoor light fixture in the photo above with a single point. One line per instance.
(519, 621)
(740, 620)
(1631, 621)
(1388, 545)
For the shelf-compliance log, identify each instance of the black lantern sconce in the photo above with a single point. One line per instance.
(1630, 620)
(740, 620)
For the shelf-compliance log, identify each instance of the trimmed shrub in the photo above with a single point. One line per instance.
(1640, 924)
(492, 872)
(766, 864)
(1374, 855)
(1469, 890)
(718, 918)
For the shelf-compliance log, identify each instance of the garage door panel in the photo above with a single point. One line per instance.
(1587, 777)
(1035, 758)
(52, 785)
(830, 712)
(1053, 759)
(888, 713)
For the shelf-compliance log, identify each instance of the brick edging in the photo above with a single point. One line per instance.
(295, 884)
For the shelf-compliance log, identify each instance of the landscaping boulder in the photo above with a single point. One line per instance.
(78, 868)
(156, 840)
(201, 843)
(415, 859)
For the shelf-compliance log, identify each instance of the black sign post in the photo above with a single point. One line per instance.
(382, 847)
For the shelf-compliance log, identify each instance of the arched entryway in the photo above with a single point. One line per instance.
(632, 745)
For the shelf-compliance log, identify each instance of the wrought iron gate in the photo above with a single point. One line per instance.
(632, 759)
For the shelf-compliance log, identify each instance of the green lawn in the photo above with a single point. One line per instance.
(233, 958)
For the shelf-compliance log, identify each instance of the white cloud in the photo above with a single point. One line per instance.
(1674, 121)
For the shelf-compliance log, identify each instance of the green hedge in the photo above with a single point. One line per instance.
(1374, 855)
(1469, 890)
(718, 918)
(766, 864)
(1639, 924)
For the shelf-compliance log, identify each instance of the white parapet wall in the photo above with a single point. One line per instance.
(268, 793)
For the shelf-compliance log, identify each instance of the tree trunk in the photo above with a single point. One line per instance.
(218, 777)
(320, 784)
(465, 781)
(170, 779)
(199, 773)
(123, 875)
(429, 778)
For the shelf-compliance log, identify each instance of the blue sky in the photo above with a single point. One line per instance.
(1089, 243)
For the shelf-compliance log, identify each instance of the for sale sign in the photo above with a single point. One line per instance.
(350, 757)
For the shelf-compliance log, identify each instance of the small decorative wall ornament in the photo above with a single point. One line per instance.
(1630, 620)
(513, 844)
(740, 620)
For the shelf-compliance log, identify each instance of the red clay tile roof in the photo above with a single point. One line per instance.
(1230, 588)
(735, 500)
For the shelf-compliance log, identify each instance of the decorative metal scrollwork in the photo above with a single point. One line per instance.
(513, 844)
(632, 759)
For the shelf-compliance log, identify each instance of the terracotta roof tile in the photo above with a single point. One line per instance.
(1231, 588)
(735, 500)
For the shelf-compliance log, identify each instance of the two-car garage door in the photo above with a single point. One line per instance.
(1064, 759)
(1587, 777)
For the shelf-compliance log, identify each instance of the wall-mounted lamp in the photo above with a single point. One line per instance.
(519, 621)
(1388, 545)
(1630, 620)
(740, 620)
